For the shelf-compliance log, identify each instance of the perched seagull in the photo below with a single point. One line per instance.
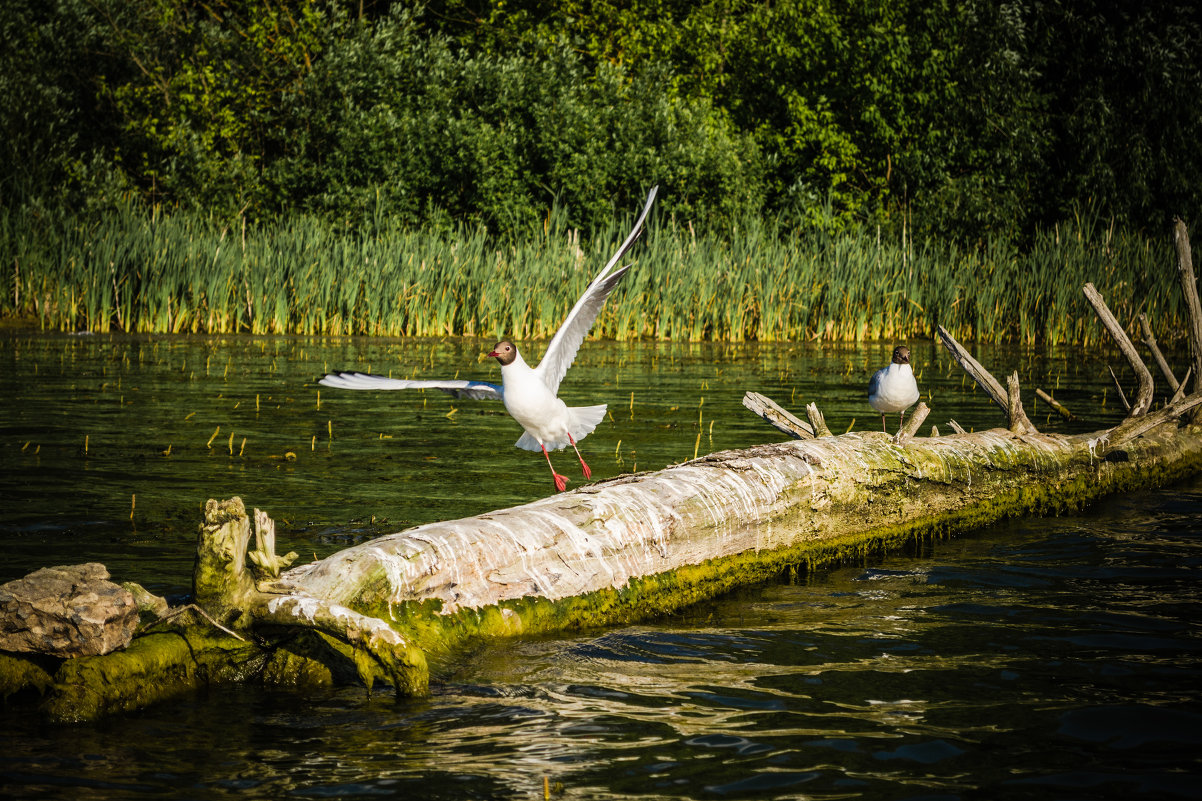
(893, 388)
(530, 393)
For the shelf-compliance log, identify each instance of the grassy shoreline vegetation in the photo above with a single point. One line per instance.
(849, 170)
(184, 273)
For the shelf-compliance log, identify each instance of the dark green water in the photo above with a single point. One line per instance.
(1040, 659)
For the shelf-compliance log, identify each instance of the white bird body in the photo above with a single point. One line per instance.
(893, 388)
(531, 395)
(547, 420)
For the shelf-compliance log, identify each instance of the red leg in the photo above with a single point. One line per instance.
(584, 468)
(561, 482)
(883, 424)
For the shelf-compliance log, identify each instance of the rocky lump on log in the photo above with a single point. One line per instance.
(401, 607)
(67, 611)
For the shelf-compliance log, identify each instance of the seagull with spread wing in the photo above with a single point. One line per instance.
(530, 394)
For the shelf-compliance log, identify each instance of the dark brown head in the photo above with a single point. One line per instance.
(504, 352)
(901, 355)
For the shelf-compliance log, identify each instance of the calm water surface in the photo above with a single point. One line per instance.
(1053, 658)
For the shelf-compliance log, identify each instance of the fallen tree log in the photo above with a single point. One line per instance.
(644, 545)
(400, 607)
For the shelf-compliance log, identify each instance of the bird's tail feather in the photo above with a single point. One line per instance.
(583, 421)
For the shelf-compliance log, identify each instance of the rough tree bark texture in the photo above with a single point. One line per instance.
(647, 544)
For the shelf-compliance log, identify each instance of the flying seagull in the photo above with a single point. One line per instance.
(893, 388)
(530, 394)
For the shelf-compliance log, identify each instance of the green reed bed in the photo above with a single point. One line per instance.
(183, 273)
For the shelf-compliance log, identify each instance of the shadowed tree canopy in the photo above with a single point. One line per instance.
(961, 119)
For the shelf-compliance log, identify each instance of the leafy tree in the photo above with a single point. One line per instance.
(958, 119)
(857, 108)
(1125, 86)
(200, 97)
(51, 121)
(401, 122)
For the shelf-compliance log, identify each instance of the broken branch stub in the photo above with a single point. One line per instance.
(817, 420)
(1016, 418)
(264, 561)
(1019, 423)
(1180, 393)
(910, 429)
(1143, 395)
(221, 582)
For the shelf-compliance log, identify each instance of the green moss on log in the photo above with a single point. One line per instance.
(22, 674)
(152, 668)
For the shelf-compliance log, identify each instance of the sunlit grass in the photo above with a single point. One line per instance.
(184, 273)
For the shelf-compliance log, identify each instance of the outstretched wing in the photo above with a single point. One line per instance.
(562, 350)
(476, 390)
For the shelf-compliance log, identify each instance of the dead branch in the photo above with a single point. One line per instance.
(1150, 343)
(971, 366)
(1122, 395)
(777, 416)
(192, 608)
(912, 425)
(817, 421)
(1143, 395)
(1180, 393)
(1056, 405)
(1189, 287)
(1131, 428)
(1019, 423)
(1016, 418)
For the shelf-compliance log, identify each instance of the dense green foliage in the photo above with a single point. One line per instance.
(964, 119)
(846, 169)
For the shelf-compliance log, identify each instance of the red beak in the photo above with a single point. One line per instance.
(494, 354)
